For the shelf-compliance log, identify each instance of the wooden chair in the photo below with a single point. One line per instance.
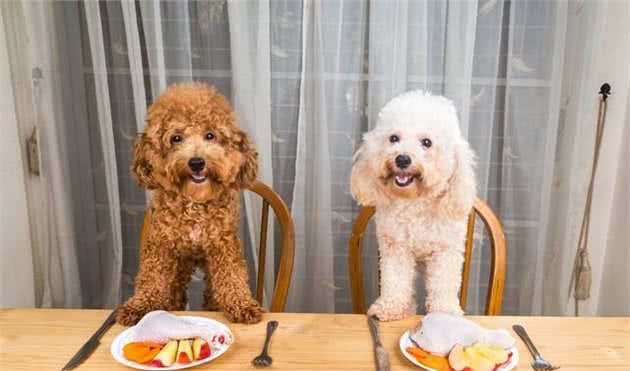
(287, 244)
(497, 268)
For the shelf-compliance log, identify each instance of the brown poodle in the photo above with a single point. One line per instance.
(195, 158)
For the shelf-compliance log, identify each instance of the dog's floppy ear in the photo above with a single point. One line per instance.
(249, 165)
(362, 185)
(142, 166)
(461, 186)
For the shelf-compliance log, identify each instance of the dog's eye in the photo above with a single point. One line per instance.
(176, 139)
(210, 136)
(426, 142)
(394, 138)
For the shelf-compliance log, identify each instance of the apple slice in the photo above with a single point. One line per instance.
(184, 352)
(476, 361)
(496, 354)
(457, 358)
(201, 349)
(166, 357)
(477, 357)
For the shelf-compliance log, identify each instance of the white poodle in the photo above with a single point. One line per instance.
(417, 169)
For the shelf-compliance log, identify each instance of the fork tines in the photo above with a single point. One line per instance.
(262, 361)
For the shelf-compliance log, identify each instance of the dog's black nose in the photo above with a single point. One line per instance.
(403, 161)
(196, 164)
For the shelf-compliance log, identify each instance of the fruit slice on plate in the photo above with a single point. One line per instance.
(201, 349)
(457, 358)
(141, 352)
(184, 352)
(498, 355)
(428, 359)
(478, 357)
(166, 357)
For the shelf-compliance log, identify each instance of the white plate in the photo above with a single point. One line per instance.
(406, 342)
(119, 342)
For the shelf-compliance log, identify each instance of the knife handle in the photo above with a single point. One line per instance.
(520, 331)
(376, 340)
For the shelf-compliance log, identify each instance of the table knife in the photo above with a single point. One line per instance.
(381, 356)
(92, 343)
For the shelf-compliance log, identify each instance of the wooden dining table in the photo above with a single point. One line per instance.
(45, 339)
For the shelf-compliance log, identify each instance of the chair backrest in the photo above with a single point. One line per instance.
(287, 244)
(497, 267)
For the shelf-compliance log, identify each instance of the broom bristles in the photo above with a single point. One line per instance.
(583, 278)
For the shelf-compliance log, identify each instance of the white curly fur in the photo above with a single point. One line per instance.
(425, 221)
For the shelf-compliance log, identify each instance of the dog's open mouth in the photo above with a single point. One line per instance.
(198, 178)
(403, 180)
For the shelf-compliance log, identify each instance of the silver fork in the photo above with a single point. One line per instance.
(264, 360)
(539, 363)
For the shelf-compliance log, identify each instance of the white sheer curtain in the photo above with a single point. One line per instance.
(251, 97)
(106, 131)
(75, 257)
(598, 48)
(16, 258)
(307, 78)
(311, 206)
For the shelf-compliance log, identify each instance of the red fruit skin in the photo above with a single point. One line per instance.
(495, 367)
(501, 364)
(156, 363)
(204, 352)
(183, 358)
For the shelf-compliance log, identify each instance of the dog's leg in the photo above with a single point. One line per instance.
(398, 272)
(185, 268)
(442, 281)
(228, 275)
(155, 288)
(209, 303)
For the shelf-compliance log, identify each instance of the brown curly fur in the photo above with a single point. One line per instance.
(193, 224)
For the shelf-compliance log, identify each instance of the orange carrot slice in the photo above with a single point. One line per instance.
(141, 352)
(428, 359)
(148, 357)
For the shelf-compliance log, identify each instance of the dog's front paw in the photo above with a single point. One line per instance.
(391, 310)
(130, 313)
(247, 312)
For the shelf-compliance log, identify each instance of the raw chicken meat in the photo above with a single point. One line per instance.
(160, 327)
(439, 332)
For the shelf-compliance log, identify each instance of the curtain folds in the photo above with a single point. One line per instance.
(307, 79)
(532, 80)
(251, 97)
(389, 51)
(16, 259)
(97, 51)
(311, 206)
(134, 51)
(598, 48)
(152, 26)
